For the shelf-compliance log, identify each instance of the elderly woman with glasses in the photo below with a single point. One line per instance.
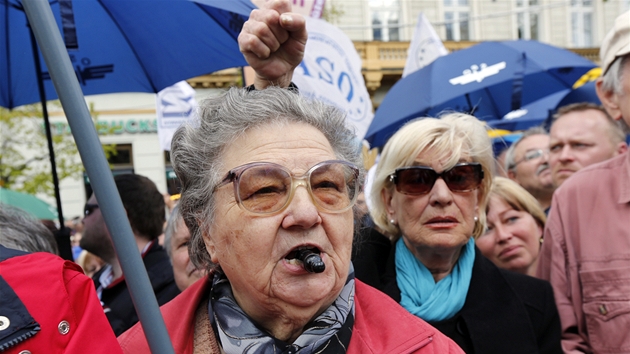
(429, 197)
(515, 227)
(269, 181)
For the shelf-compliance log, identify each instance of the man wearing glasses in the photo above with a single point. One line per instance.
(582, 134)
(527, 163)
(144, 206)
(586, 253)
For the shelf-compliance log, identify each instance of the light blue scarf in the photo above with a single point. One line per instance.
(419, 292)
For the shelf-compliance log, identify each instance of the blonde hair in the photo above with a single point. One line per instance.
(450, 138)
(518, 198)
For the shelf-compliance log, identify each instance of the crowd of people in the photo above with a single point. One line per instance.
(447, 257)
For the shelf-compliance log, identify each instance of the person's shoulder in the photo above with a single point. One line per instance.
(533, 291)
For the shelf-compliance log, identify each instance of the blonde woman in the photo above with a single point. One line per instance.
(515, 227)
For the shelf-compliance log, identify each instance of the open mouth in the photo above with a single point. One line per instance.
(308, 257)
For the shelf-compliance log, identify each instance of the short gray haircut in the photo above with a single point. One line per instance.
(510, 163)
(20, 231)
(197, 148)
(612, 81)
(172, 226)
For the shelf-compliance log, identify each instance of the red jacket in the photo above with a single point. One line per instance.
(381, 326)
(58, 297)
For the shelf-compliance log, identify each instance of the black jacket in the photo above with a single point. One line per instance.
(116, 299)
(504, 312)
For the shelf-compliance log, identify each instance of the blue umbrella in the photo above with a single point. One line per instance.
(488, 80)
(123, 45)
(540, 112)
(119, 46)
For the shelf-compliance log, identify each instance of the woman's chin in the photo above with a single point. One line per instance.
(303, 289)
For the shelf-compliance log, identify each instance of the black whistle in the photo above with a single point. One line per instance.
(312, 261)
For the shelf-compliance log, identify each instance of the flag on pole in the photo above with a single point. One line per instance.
(331, 72)
(174, 105)
(424, 48)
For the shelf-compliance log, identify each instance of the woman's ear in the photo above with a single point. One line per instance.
(386, 197)
(211, 248)
(610, 100)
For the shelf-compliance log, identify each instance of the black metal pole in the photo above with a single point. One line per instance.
(67, 86)
(62, 236)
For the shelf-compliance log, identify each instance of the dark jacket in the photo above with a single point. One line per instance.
(504, 312)
(116, 299)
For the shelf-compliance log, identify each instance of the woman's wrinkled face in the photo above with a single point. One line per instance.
(184, 272)
(439, 220)
(513, 237)
(253, 249)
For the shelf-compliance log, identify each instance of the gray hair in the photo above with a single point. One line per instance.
(20, 231)
(510, 163)
(613, 78)
(172, 226)
(197, 149)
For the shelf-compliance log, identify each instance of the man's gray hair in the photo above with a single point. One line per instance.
(20, 231)
(510, 163)
(197, 148)
(612, 81)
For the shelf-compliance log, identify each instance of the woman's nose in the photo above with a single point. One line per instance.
(301, 211)
(440, 194)
(502, 232)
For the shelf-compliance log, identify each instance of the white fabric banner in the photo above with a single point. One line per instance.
(424, 48)
(174, 105)
(331, 72)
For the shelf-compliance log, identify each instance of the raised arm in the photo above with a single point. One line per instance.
(273, 42)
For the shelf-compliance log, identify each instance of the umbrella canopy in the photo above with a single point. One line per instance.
(119, 46)
(541, 111)
(123, 45)
(488, 80)
(29, 203)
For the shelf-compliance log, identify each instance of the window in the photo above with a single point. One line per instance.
(385, 20)
(456, 13)
(582, 23)
(527, 19)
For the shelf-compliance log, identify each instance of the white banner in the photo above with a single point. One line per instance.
(331, 72)
(174, 105)
(424, 48)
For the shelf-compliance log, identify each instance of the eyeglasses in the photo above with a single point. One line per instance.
(89, 209)
(416, 180)
(266, 188)
(530, 155)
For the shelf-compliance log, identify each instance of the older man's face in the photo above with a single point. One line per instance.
(532, 174)
(618, 104)
(624, 98)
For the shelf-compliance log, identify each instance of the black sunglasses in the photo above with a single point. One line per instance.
(416, 180)
(89, 209)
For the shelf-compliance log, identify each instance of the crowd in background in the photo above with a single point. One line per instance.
(531, 256)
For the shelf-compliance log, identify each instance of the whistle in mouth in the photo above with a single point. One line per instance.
(312, 261)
